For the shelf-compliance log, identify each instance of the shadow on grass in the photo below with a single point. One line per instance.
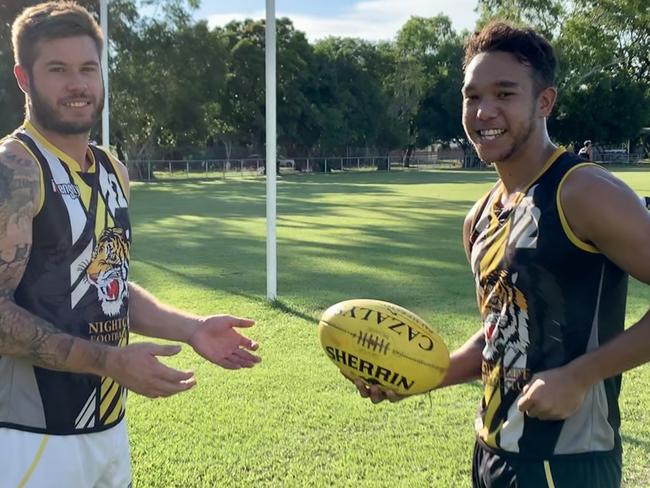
(277, 304)
(287, 308)
(641, 443)
(190, 224)
(370, 240)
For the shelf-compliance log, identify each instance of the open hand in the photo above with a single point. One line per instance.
(216, 340)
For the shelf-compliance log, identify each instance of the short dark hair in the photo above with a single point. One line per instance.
(524, 43)
(51, 20)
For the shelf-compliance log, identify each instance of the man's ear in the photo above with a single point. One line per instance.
(22, 78)
(546, 101)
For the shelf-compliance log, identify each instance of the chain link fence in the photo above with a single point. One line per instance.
(148, 170)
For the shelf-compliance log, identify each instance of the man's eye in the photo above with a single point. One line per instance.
(505, 94)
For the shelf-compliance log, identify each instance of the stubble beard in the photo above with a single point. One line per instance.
(47, 117)
(519, 142)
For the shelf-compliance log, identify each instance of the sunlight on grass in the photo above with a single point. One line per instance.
(293, 420)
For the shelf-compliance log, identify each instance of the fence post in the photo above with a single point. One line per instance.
(325, 165)
(148, 170)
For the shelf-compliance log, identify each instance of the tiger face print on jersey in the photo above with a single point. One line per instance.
(108, 270)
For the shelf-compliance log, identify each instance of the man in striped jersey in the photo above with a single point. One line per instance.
(66, 305)
(551, 246)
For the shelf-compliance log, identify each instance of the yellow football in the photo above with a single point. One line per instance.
(385, 344)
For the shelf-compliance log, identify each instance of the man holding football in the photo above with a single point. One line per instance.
(551, 246)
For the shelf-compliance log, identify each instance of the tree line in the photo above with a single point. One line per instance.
(180, 89)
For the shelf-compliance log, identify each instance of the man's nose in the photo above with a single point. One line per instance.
(77, 82)
(486, 110)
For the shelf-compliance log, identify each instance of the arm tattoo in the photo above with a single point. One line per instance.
(19, 182)
(27, 336)
(23, 334)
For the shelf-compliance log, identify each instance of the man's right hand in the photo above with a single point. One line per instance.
(137, 368)
(376, 393)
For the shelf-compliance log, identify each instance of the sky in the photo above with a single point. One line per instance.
(368, 19)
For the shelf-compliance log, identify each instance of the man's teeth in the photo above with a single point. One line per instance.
(76, 104)
(491, 133)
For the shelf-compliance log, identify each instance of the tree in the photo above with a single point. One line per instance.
(603, 80)
(546, 16)
(350, 99)
(427, 88)
(605, 107)
(156, 101)
(244, 100)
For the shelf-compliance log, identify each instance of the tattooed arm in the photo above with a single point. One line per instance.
(26, 336)
(23, 334)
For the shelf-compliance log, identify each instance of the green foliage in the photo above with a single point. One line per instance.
(546, 16)
(425, 84)
(603, 107)
(182, 90)
(352, 102)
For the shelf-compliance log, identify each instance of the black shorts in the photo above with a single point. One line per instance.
(492, 470)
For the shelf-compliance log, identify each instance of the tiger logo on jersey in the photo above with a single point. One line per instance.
(505, 313)
(108, 270)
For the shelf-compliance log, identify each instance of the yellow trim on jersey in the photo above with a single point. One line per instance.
(106, 383)
(41, 197)
(85, 191)
(117, 170)
(71, 163)
(119, 406)
(103, 219)
(37, 459)
(585, 246)
(549, 475)
(497, 248)
(556, 154)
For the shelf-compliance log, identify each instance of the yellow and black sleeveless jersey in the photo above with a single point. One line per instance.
(76, 279)
(545, 298)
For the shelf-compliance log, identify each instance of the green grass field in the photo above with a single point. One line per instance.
(293, 420)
